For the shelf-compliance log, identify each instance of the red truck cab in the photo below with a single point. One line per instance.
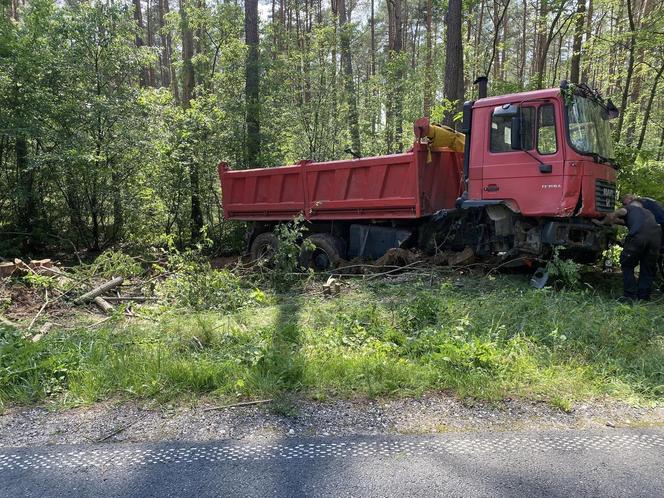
(562, 165)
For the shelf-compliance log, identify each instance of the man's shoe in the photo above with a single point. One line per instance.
(626, 300)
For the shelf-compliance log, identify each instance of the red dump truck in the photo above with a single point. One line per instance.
(528, 174)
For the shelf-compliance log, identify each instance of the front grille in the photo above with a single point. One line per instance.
(605, 196)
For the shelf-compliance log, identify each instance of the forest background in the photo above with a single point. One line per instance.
(114, 114)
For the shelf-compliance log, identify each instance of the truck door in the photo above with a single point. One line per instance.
(533, 177)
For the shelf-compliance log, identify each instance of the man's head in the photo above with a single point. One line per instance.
(628, 199)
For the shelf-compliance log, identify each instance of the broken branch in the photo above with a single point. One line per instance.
(98, 291)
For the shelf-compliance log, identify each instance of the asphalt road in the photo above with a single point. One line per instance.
(615, 462)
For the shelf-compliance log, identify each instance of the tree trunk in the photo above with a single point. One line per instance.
(522, 62)
(630, 70)
(478, 40)
(168, 51)
(150, 31)
(349, 84)
(394, 106)
(188, 76)
(26, 195)
(646, 114)
(453, 89)
(545, 38)
(138, 17)
(575, 65)
(589, 20)
(252, 86)
(497, 22)
(428, 71)
(639, 74)
(188, 86)
(495, 58)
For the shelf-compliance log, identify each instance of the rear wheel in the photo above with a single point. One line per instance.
(327, 252)
(264, 247)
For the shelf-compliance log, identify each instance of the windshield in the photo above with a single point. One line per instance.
(589, 129)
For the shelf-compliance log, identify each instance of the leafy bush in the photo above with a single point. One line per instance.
(192, 283)
(285, 260)
(564, 272)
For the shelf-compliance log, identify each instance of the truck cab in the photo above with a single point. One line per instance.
(545, 156)
(542, 156)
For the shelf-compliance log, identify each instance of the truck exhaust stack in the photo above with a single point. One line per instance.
(482, 83)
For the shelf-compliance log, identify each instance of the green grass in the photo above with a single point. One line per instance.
(479, 337)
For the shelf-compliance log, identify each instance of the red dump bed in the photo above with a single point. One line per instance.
(383, 187)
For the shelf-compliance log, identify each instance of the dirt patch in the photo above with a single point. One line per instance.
(20, 301)
(117, 421)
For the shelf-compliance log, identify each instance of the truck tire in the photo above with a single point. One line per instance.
(327, 253)
(264, 246)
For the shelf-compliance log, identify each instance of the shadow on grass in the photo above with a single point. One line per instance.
(280, 371)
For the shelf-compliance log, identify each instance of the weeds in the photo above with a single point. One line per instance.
(564, 272)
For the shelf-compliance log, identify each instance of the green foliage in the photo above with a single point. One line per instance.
(285, 260)
(110, 264)
(640, 175)
(192, 283)
(39, 281)
(564, 272)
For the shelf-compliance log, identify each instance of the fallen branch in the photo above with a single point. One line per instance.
(244, 403)
(104, 305)
(41, 310)
(98, 291)
(115, 432)
(376, 275)
(138, 299)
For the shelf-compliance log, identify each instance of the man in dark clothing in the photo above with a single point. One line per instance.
(657, 209)
(641, 248)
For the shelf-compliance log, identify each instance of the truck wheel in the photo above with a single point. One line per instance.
(327, 252)
(264, 246)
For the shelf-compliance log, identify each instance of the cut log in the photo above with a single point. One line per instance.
(98, 291)
(20, 267)
(6, 269)
(41, 263)
(45, 329)
(103, 304)
(41, 266)
(331, 287)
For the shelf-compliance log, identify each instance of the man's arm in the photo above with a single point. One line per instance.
(615, 218)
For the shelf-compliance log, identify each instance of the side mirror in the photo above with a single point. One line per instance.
(612, 110)
(515, 130)
(513, 112)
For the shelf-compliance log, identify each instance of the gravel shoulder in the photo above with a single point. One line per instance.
(131, 421)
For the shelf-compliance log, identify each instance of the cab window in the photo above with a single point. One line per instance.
(501, 131)
(546, 130)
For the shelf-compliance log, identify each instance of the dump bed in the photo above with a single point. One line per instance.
(400, 186)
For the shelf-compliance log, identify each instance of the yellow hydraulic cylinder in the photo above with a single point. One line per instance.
(444, 136)
(439, 136)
